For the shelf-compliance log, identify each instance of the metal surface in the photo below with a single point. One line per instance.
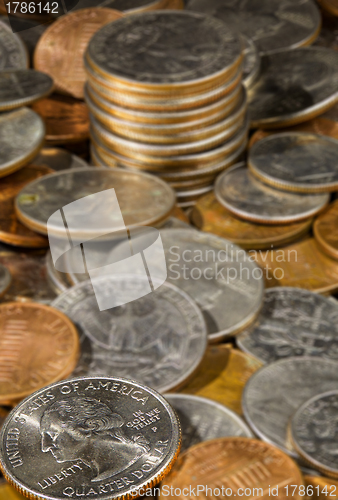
(22, 88)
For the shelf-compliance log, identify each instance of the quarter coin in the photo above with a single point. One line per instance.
(275, 392)
(325, 230)
(13, 52)
(292, 322)
(23, 87)
(5, 279)
(106, 436)
(296, 161)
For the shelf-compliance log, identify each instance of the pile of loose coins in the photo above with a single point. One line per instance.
(169, 250)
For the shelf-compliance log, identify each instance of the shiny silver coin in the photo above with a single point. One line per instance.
(158, 339)
(22, 133)
(142, 199)
(102, 436)
(248, 198)
(296, 161)
(58, 159)
(22, 87)
(275, 392)
(271, 24)
(251, 63)
(13, 54)
(292, 322)
(202, 419)
(293, 87)
(5, 279)
(314, 432)
(183, 49)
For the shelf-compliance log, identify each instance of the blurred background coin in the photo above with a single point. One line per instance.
(23, 87)
(5, 279)
(13, 52)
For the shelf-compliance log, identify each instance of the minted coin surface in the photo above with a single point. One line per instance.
(271, 25)
(248, 198)
(39, 345)
(210, 216)
(202, 50)
(106, 436)
(314, 434)
(293, 87)
(13, 52)
(202, 419)
(159, 339)
(275, 392)
(236, 465)
(325, 230)
(61, 48)
(5, 279)
(222, 376)
(296, 161)
(22, 87)
(292, 322)
(58, 159)
(143, 200)
(22, 133)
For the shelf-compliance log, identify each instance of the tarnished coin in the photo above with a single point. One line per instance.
(5, 279)
(58, 159)
(248, 198)
(234, 467)
(296, 161)
(202, 50)
(313, 432)
(22, 87)
(143, 200)
(202, 419)
(325, 230)
(210, 216)
(321, 487)
(12, 231)
(66, 119)
(39, 345)
(272, 25)
(222, 376)
(293, 87)
(292, 322)
(13, 54)
(22, 133)
(251, 63)
(99, 436)
(275, 392)
(61, 48)
(159, 339)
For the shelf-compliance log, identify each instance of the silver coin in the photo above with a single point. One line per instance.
(251, 63)
(22, 87)
(271, 24)
(293, 87)
(248, 198)
(22, 133)
(28, 31)
(292, 322)
(58, 159)
(314, 432)
(296, 161)
(88, 436)
(202, 419)
(273, 394)
(182, 48)
(5, 279)
(159, 339)
(13, 54)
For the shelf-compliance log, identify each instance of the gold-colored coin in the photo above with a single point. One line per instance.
(210, 216)
(222, 376)
(320, 487)
(301, 264)
(325, 230)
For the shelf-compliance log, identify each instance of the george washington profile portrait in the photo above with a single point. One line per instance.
(87, 429)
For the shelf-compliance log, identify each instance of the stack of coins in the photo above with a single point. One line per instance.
(168, 99)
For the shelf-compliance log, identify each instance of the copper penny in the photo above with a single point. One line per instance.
(320, 487)
(11, 230)
(301, 264)
(60, 50)
(325, 230)
(66, 119)
(222, 376)
(38, 346)
(210, 216)
(243, 467)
